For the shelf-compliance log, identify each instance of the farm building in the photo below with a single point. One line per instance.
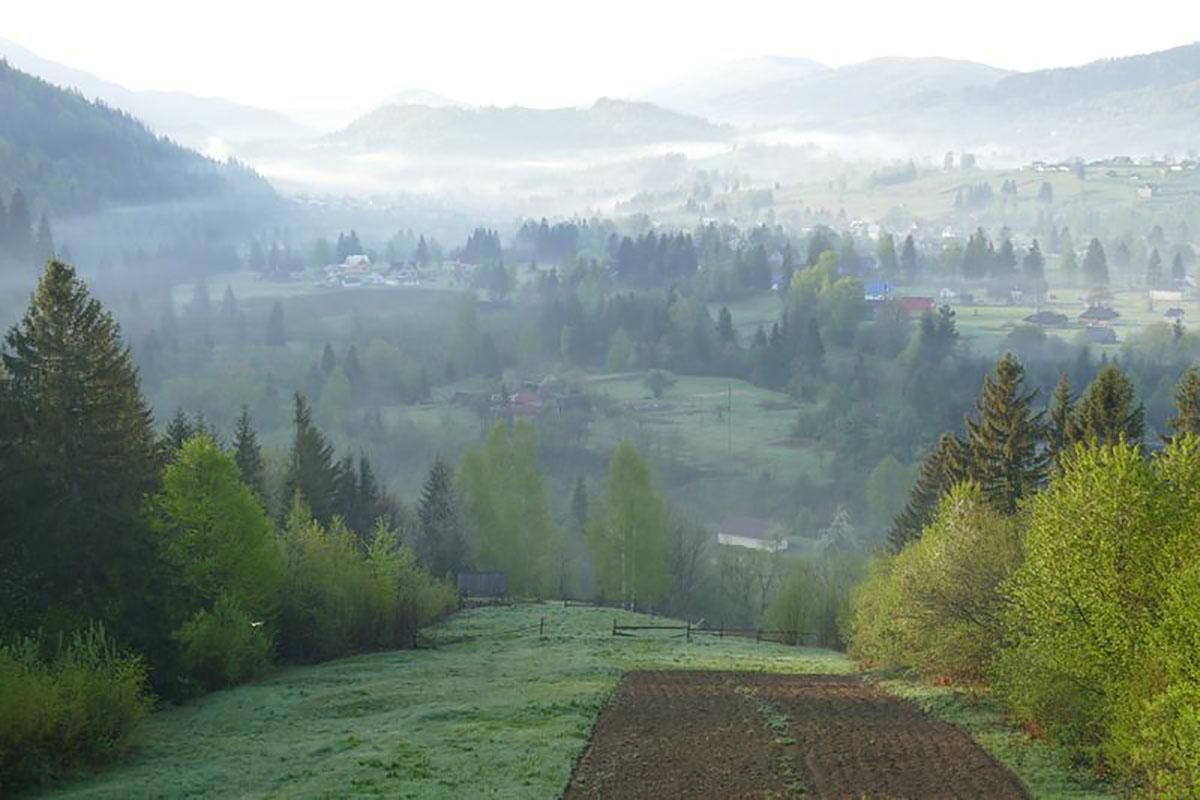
(754, 533)
(1173, 314)
(1047, 318)
(1101, 334)
(1099, 314)
(917, 305)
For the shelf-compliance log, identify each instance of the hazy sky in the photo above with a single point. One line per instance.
(350, 53)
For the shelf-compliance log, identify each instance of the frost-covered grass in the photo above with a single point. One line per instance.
(493, 711)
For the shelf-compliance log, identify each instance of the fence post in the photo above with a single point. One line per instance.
(614, 626)
(689, 630)
(721, 631)
(757, 635)
(542, 628)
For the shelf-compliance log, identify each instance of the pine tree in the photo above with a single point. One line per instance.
(345, 495)
(44, 245)
(1061, 432)
(1006, 259)
(942, 468)
(77, 457)
(1034, 265)
(908, 255)
(886, 251)
(1005, 438)
(1106, 411)
(1154, 270)
(311, 471)
(1095, 265)
(20, 228)
(178, 431)
(372, 503)
(247, 454)
(441, 541)
(276, 336)
(1069, 265)
(1187, 404)
(725, 331)
(328, 360)
(229, 307)
(579, 505)
(1178, 271)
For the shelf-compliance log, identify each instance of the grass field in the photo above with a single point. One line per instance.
(494, 711)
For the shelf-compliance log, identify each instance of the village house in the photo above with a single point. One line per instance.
(753, 533)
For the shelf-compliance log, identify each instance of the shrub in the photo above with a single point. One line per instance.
(936, 606)
(336, 600)
(223, 646)
(815, 599)
(73, 704)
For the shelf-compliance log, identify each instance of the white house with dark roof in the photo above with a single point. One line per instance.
(754, 533)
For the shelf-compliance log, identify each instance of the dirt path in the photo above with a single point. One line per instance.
(732, 734)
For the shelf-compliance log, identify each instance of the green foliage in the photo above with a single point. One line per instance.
(628, 532)
(659, 381)
(1106, 413)
(215, 536)
(336, 600)
(936, 606)
(76, 458)
(943, 467)
(1187, 404)
(1005, 438)
(224, 646)
(311, 471)
(74, 704)
(441, 544)
(1103, 546)
(506, 503)
(814, 600)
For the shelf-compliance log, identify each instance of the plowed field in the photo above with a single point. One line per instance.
(734, 735)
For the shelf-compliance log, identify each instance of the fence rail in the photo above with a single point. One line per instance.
(759, 634)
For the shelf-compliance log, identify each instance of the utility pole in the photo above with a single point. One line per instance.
(729, 419)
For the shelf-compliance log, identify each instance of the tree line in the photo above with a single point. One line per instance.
(1052, 552)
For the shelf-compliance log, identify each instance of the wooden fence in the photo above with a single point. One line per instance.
(687, 630)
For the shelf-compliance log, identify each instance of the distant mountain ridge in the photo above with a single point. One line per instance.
(422, 129)
(202, 123)
(73, 155)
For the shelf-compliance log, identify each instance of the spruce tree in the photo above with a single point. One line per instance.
(942, 468)
(1187, 404)
(44, 244)
(372, 503)
(20, 228)
(178, 431)
(1034, 265)
(1005, 438)
(345, 494)
(77, 456)
(1154, 270)
(311, 471)
(1095, 265)
(247, 454)
(725, 331)
(908, 255)
(441, 541)
(579, 505)
(276, 336)
(1107, 412)
(1061, 433)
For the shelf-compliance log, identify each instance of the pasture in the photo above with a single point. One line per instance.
(500, 707)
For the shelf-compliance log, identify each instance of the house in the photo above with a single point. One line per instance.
(917, 305)
(1101, 334)
(1147, 191)
(947, 294)
(877, 291)
(1047, 318)
(1173, 314)
(754, 533)
(526, 403)
(1166, 295)
(1095, 314)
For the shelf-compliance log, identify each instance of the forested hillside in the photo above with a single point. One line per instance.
(73, 156)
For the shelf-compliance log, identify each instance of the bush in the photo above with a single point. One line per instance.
(936, 606)
(815, 599)
(74, 704)
(336, 601)
(223, 646)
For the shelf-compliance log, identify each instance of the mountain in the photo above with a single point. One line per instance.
(208, 124)
(706, 92)
(425, 130)
(814, 96)
(71, 155)
(423, 97)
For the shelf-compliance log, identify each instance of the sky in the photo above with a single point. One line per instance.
(351, 53)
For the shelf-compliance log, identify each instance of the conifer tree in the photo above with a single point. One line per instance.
(78, 454)
(908, 255)
(725, 331)
(441, 538)
(1107, 412)
(328, 360)
(311, 471)
(44, 244)
(1187, 404)
(20, 228)
(345, 494)
(1095, 265)
(1034, 265)
(1061, 432)
(1069, 265)
(178, 431)
(886, 251)
(229, 306)
(247, 454)
(579, 505)
(276, 335)
(1005, 438)
(1154, 270)
(371, 499)
(942, 468)
(1178, 271)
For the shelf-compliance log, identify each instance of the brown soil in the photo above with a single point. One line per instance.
(681, 734)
